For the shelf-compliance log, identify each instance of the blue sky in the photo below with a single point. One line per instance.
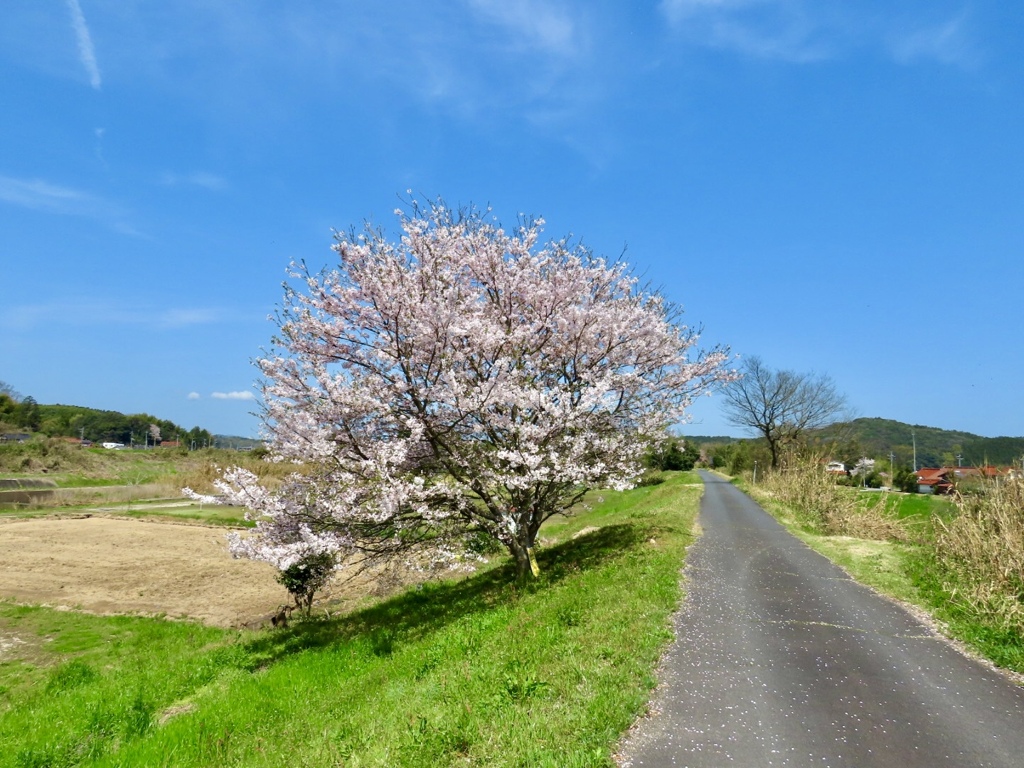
(835, 186)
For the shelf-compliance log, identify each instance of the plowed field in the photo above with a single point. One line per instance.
(109, 565)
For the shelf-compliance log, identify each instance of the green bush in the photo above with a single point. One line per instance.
(304, 578)
(905, 480)
(669, 456)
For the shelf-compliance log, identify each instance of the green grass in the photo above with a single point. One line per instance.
(905, 505)
(1003, 646)
(75, 684)
(881, 565)
(123, 482)
(910, 571)
(481, 671)
(79, 481)
(174, 509)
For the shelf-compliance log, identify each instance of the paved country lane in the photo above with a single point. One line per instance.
(782, 660)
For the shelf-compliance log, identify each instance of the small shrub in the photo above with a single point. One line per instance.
(304, 578)
(874, 479)
(649, 478)
(905, 480)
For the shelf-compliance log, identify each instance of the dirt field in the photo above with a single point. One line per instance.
(105, 565)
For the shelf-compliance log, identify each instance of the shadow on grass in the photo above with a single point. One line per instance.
(422, 610)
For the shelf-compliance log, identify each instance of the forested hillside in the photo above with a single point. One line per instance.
(935, 447)
(877, 438)
(27, 416)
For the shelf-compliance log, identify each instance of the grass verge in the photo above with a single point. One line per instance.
(480, 671)
(960, 560)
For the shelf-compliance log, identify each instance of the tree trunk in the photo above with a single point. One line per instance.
(526, 561)
(773, 446)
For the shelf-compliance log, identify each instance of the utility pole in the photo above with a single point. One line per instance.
(914, 439)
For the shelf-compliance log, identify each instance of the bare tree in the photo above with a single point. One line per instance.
(781, 405)
(11, 392)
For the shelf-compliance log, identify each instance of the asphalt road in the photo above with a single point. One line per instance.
(781, 659)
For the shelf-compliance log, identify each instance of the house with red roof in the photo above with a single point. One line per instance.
(944, 479)
(934, 480)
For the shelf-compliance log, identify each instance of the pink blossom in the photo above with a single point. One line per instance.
(464, 378)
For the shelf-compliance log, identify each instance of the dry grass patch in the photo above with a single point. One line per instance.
(815, 500)
(982, 551)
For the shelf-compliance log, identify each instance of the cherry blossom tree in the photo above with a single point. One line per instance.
(464, 380)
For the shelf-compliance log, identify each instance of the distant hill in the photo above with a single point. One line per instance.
(106, 426)
(236, 442)
(935, 447)
(710, 439)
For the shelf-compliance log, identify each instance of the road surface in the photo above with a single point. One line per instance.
(782, 660)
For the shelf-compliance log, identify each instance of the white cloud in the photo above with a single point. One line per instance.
(178, 318)
(244, 395)
(773, 29)
(39, 195)
(194, 396)
(42, 196)
(946, 42)
(808, 30)
(485, 61)
(202, 179)
(539, 22)
(86, 52)
(100, 313)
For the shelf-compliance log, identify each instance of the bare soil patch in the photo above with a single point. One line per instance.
(107, 565)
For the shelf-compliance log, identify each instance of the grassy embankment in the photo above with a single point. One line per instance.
(959, 559)
(478, 671)
(140, 483)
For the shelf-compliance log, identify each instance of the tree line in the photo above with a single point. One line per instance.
(24, 414)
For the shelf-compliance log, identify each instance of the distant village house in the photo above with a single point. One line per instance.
(943, 480)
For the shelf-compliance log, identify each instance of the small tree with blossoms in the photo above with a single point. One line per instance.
(463, 380)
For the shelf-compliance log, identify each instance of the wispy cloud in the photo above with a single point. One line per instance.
(773, 29)
(480, 61)
(97, 313)
(540, 23)
(194, 396)
(43, 196)
(86, 52)
(526, 55)
(180, 318)
(947, 42)
(241, 395)
(804, 31)
(203, 179)
(40, 195)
